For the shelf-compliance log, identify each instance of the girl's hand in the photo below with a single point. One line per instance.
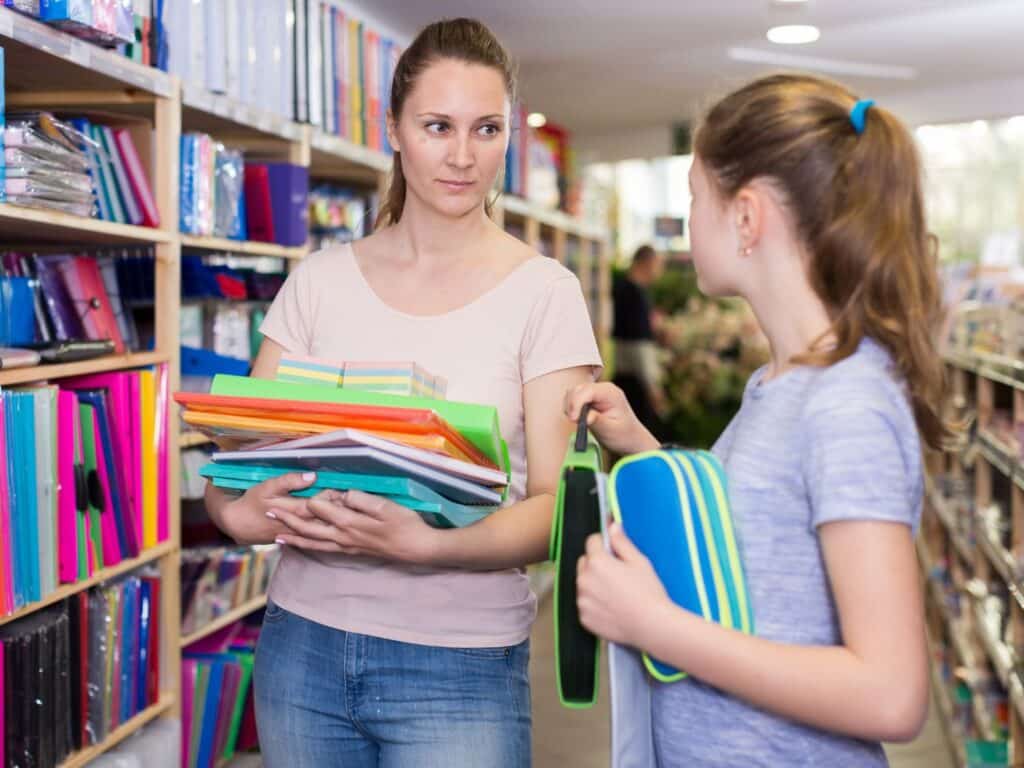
(618, 594)
(611, 419)
(249, 519)
(356, 523)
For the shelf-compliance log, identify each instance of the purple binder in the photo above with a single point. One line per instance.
(289, 195)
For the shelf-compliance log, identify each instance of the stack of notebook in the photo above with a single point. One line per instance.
(443, 459)
(92, 489)
(73, 673)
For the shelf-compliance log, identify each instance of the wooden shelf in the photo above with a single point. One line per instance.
(64, 370)
(938, 505)
(150, 555)
(332, 157)
(39, 225)
(997, 454)
(84, 756)
(222, 621)
(518, 208)
(216, 113)
(244, 247)
(192, 439)
(40, 57)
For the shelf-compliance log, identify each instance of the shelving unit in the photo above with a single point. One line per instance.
(228, 618)
(47, 69)
(979, 552)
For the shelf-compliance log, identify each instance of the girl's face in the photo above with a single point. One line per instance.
(452, 135)
(714, 244)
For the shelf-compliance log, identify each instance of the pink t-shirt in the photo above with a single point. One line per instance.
(532, 323)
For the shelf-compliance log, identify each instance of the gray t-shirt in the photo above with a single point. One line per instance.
(813, 446)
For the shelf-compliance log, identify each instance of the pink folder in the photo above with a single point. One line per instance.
(6, 558)
(111, 545)
(126, 443)
(137, 177)
(3, 723)
(163, 451)
(67, 512)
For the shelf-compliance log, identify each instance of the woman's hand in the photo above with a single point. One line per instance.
(246, 518)
(356, 523)
(618, 594)
(611, 419)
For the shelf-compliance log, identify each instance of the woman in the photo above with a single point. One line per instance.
(388, 642)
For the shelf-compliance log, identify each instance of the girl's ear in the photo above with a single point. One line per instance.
(392, 132)
(748, 212)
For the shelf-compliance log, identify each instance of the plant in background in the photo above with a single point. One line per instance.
(712, 348)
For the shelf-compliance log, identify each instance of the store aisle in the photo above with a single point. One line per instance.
(564, 738)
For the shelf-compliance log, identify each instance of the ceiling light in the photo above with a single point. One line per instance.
(536, 120)
(793, 34)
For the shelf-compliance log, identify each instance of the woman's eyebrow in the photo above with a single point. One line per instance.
(443, 116)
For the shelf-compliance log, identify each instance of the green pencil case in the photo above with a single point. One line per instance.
(577, 515)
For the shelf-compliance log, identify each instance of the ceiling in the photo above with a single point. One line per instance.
(617, 67)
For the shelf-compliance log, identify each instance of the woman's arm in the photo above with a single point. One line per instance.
(361, 524)
(873, 686)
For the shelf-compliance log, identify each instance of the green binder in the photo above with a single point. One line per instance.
(88, 417)
(477, 423)
(245, 661)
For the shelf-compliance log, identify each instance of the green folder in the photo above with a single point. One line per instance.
(245, 661)
(477, 423)
(88, 417)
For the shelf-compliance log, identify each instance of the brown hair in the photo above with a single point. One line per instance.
(466, 40)
(644, 254)
(856, 201)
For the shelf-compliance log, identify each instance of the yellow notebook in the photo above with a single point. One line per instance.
(150, 490)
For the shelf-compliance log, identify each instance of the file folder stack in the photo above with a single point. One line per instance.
(92, 491)
(444, 459)
(215, 580)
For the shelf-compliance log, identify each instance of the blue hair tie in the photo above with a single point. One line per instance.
(859, 114)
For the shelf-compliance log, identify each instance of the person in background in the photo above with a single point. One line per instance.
(808, 203)
(637, 369)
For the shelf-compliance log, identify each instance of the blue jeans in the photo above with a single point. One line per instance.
(326, 698)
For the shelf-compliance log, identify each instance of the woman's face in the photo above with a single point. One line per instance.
(452, 135)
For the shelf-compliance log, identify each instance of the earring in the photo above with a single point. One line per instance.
(747, 251)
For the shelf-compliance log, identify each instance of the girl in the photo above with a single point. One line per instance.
(807, 203)
(387, 642)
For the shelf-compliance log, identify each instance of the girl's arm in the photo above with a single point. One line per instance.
(362, 524)
(873, 686)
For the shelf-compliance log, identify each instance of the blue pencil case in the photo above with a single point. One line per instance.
(673, 504)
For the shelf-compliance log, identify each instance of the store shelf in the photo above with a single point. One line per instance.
(42, 58)
(517, 207)
(150, 555)
(335, 158)
(84, 756)
(39, 225)
(243, 247)
(192, 440)
(945, 516)
(1003, 370)
(997, 453)
(62, 371)
(946, 711)
(998, 653)
(222, 621)
(216, 113)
